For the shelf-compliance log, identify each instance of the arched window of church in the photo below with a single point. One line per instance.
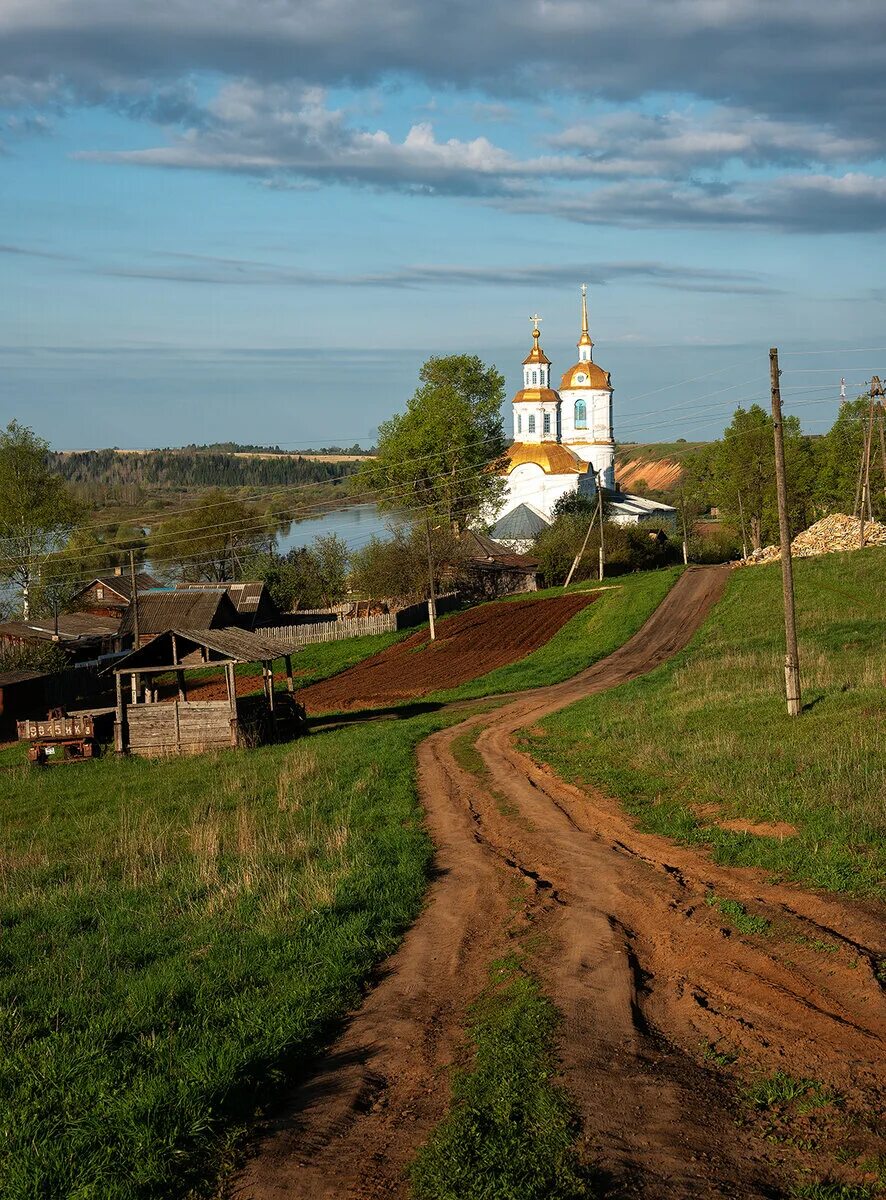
(519, 423)
(581, 415)
(535, 376)
(546, 423)
(531, 422)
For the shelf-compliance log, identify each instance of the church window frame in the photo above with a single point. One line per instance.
(530, 423)
(581, 414)
(519, 423)
(546, 423)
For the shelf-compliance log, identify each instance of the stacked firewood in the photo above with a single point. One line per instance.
(830, 535)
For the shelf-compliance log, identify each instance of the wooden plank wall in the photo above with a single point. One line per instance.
(180, 725)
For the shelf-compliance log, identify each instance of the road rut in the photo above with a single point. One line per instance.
(643, 971)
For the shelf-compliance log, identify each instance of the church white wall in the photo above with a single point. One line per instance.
(597, 407)
(528, 484)
(523, 411)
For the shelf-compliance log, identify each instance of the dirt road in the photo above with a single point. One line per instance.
(645, 973)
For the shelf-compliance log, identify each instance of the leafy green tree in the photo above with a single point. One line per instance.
(396, 568)
(210, 540)
(838, 458)
(331, 557)
(441, 456)
(37, 512)
(306, 577)
(744, 474)
(693, 495)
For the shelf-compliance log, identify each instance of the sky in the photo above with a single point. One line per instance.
(253, 220)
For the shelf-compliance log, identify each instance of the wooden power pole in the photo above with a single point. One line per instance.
(792, 655)
(432, 600)
(600, 515)
(584, 546)
(133, 582)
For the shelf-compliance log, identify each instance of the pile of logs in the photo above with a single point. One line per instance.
(830, 535)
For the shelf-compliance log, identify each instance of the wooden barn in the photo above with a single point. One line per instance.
(489, 569)
(110, 595)
(178, 694)
(168, 608)
(251, 599)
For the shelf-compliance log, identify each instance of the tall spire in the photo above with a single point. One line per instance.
(585, 345)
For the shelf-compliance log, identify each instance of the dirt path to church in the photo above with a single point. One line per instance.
(644, 972)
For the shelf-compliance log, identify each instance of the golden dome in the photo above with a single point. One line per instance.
(536, 395)
(592, 377)
(553, 458)
(536, 354)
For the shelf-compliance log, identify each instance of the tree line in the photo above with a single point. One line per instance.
(192, 469)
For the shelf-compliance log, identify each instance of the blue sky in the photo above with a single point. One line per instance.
(253, 222)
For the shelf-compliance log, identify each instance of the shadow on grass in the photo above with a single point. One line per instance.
(394, 712)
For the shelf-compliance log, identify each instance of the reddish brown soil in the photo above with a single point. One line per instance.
(468, 645)
(645, 973)
(657, 476)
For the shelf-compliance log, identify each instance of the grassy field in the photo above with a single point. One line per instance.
(706, 737)
(178, 937)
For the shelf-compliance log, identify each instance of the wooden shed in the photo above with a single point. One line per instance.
(204, 712)
(166, 608)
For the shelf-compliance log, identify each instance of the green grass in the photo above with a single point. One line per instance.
(738, 916)
(710, 728)
(780, 1090)
(833, 1191)
(511, 1134)
(179, 937)
(589, 636)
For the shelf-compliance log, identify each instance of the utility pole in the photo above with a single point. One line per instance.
(744, 536)
(600, 515)
(133, 582)
(792, 655)
(432, 601)
(877, 390)
(863, 500)
(584, 547)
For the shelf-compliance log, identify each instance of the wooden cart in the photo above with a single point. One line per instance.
(60, 737)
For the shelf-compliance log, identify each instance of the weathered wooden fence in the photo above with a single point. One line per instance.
(334, 631)
(330, 631)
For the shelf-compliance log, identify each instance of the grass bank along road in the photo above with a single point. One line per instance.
(648, 976)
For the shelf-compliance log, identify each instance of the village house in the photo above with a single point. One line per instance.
(109, 595)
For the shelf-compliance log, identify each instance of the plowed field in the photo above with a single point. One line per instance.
(467, 646)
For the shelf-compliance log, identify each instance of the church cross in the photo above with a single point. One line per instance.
(535, 320)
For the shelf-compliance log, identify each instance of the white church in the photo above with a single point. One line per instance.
(563, 442)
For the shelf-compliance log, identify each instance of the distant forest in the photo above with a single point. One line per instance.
(191, 469)
(241, 448)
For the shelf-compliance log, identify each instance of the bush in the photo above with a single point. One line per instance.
(626, 548)
(718, 547)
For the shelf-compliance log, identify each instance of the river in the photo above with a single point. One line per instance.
(354, 525)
